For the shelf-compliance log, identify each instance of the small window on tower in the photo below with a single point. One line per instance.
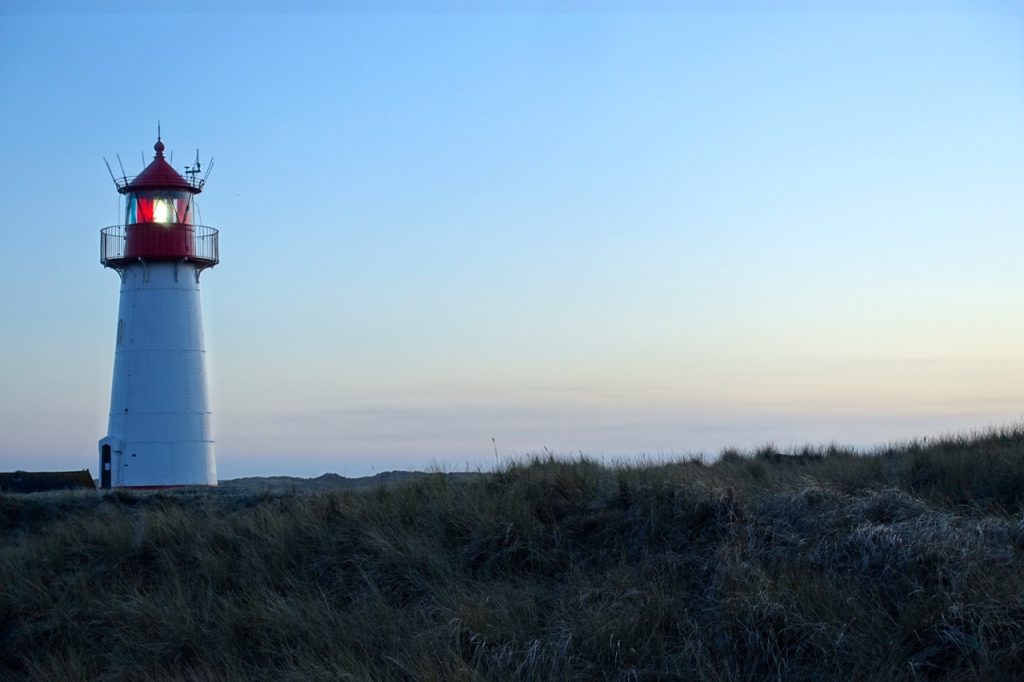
(120, 332)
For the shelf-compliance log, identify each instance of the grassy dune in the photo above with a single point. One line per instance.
(904, 564)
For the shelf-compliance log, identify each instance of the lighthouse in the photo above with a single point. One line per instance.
(159, 431)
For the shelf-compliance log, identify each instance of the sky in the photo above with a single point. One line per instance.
(455, 233)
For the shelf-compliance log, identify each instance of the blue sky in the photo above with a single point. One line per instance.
(658, 231)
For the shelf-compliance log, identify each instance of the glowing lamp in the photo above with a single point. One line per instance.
(161, 211)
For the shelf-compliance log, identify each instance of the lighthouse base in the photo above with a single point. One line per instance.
(151, 465)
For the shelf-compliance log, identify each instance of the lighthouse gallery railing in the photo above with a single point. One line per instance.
(205, 249)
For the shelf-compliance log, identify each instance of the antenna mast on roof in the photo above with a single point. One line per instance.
(209, 167)
(110, 171)
(193, 171)
(124, 176)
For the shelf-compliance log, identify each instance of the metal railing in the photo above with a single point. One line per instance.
(193, 181)
(202, 245)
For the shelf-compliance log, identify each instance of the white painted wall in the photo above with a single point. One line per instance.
(159, 429)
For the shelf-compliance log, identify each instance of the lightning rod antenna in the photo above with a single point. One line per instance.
(124, 176)
(110, 171)
(209, 167)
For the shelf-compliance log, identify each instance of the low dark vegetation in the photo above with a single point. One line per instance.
(903, 564)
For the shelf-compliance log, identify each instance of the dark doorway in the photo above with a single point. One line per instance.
(105, 466)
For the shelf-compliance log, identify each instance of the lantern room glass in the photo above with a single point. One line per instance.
(164, 207)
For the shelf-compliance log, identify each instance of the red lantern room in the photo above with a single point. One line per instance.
(158, 222)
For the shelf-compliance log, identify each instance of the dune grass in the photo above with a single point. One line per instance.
(902, 564)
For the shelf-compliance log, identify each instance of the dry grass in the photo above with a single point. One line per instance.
(905, 564)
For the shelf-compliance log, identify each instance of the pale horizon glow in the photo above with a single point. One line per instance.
(654, 233)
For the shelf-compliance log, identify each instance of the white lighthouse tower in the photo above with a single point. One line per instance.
(159, 430)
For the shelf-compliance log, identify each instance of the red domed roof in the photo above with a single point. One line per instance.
(159, 175)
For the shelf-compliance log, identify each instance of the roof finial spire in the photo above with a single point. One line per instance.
(159, 146)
